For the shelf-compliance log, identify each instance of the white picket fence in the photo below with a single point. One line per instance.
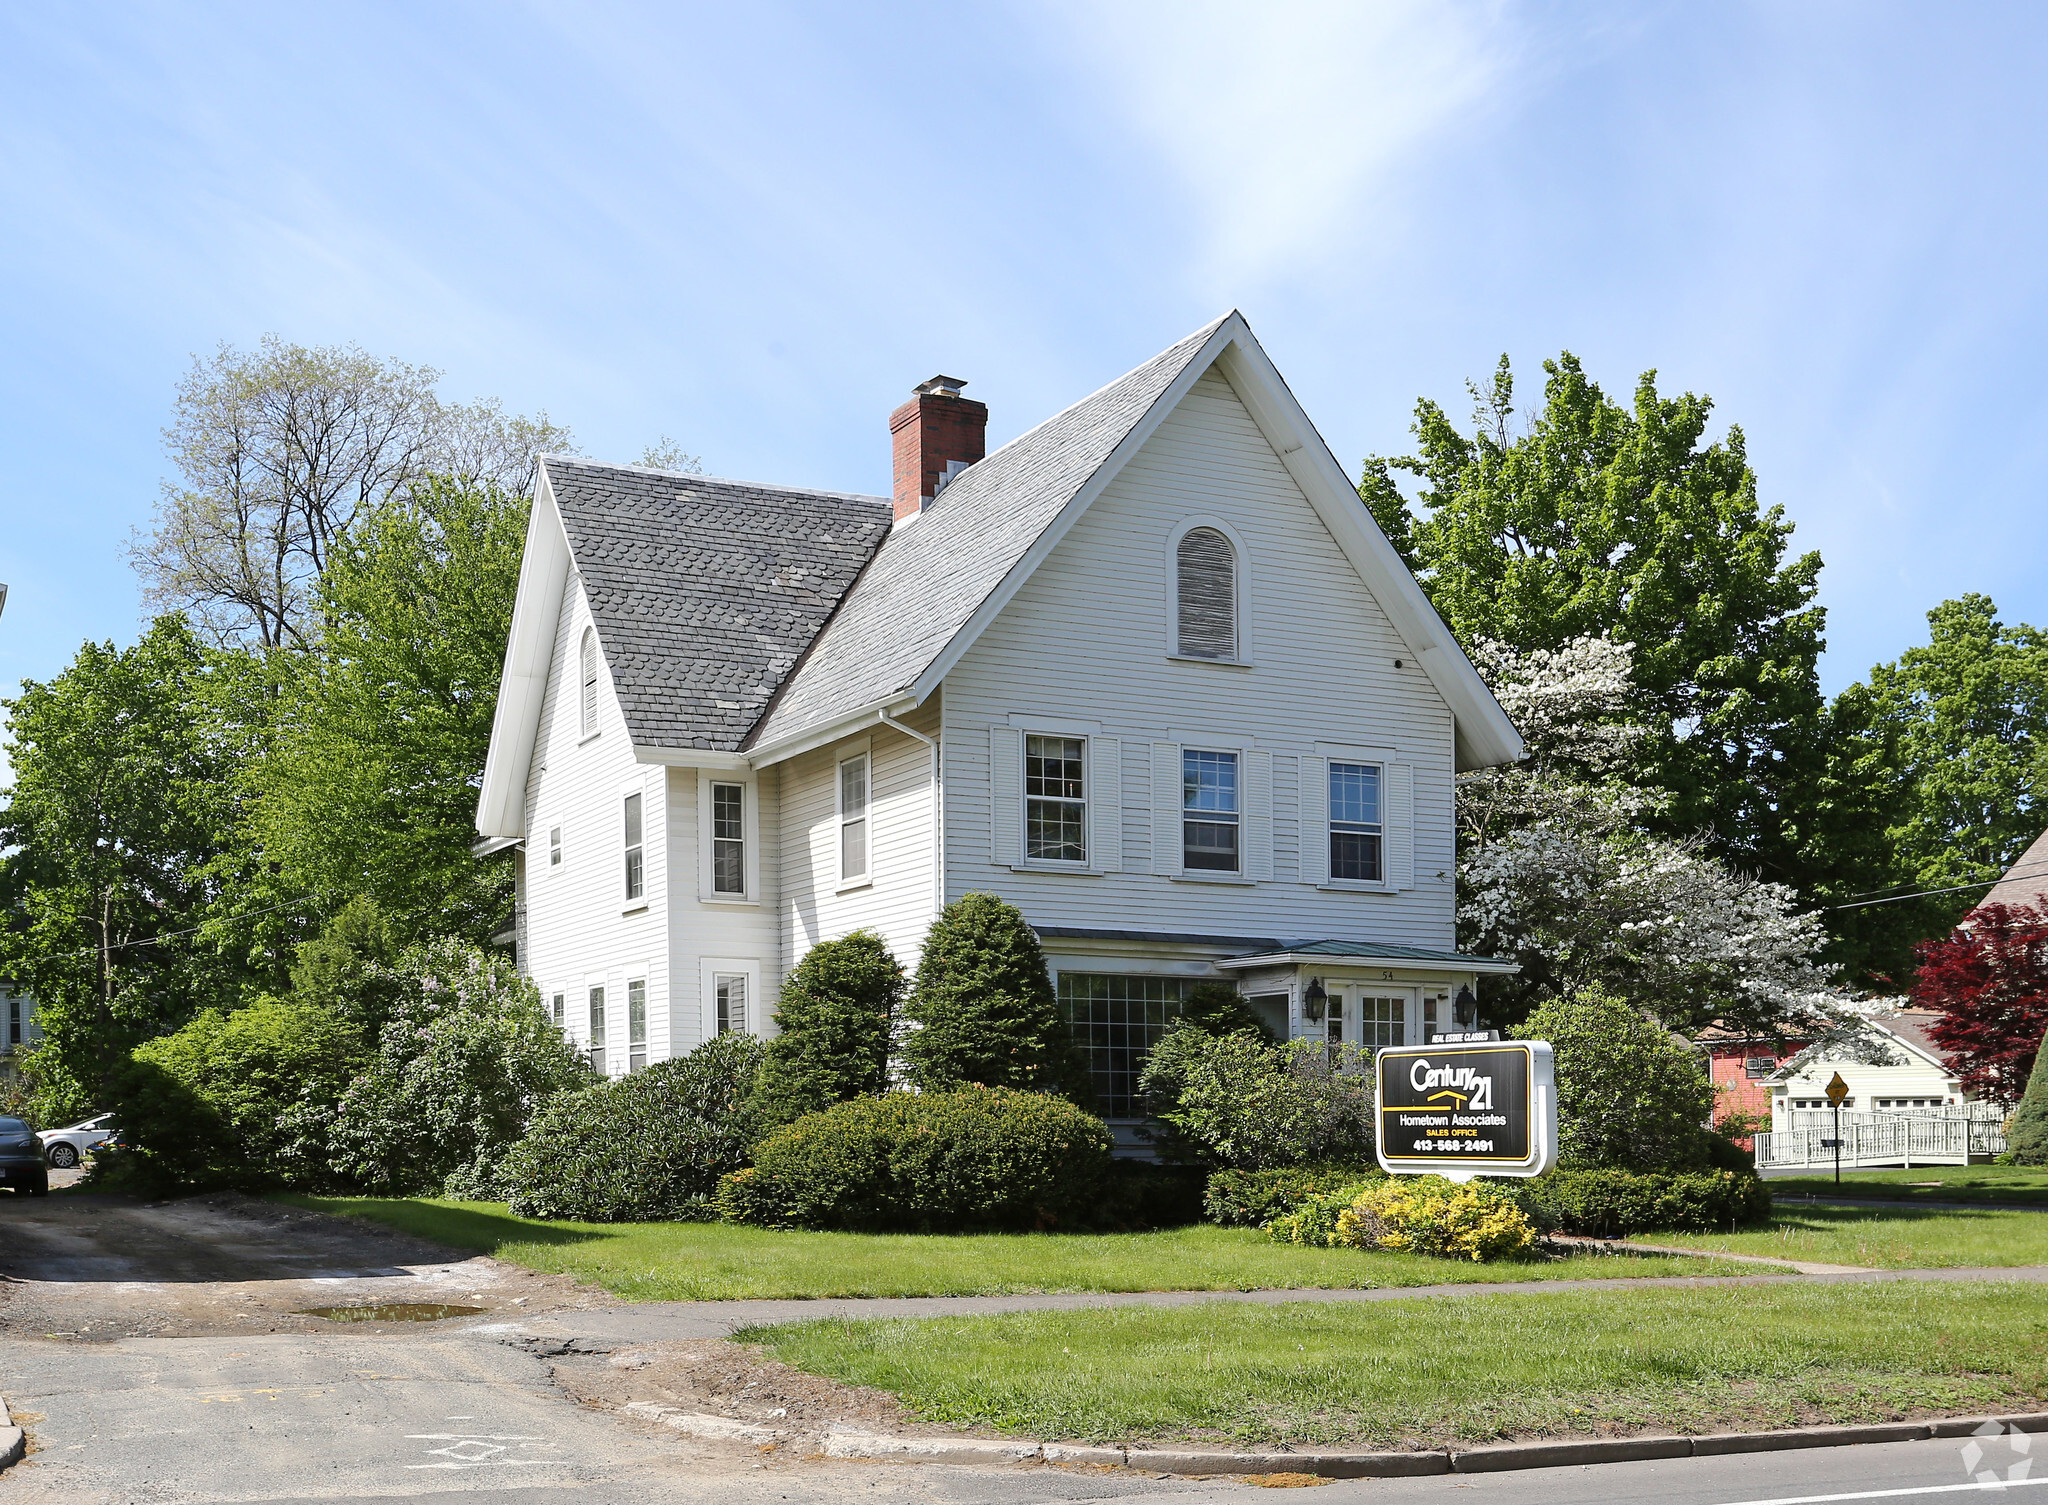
(1930, 1136)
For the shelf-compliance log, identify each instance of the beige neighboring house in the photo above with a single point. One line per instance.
(1917, 1079)
(2025, 882)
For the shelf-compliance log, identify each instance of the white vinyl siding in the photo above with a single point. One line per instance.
(1078, 644)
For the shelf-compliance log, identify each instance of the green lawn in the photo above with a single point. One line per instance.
(1884, 1237)
(1426, 1373)
(1933, 1183)
(722, 1262)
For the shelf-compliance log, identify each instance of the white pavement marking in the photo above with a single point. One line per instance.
(1897, 1494)
(477, 1449)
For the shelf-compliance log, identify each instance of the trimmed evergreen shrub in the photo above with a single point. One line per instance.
(1251, 1199)
(984, 1005)
(643, 1147)
(1610, 1203)
(1217, 1008)
(2026, 1132)
(1312, 1220)
(1629, 1092)
(1236, 1101)
(837, 1012)
(937, 1162)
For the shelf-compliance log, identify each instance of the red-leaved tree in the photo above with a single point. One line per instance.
(1988, 979)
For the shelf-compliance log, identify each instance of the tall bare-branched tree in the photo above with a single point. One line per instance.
(279, 451)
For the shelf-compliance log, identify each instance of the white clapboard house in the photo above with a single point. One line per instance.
(1149, 672)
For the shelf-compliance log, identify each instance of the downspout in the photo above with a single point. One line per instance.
(938, 813)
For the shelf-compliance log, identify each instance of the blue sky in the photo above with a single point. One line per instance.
(754, 227)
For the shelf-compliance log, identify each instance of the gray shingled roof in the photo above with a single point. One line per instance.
(928, 579)
(706, 592)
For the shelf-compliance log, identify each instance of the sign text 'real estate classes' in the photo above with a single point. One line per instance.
(1474, 1104)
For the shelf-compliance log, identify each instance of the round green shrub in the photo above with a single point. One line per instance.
(640, 1148)
(936, 1162)
(1629, 1092)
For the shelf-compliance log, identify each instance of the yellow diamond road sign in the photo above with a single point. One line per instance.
(1837, 1090)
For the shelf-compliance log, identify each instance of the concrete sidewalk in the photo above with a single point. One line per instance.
(668, 1321)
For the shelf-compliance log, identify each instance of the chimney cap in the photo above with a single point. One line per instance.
(940, 386)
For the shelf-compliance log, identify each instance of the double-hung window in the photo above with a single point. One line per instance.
(558, 1010)
(554, 846)
(636, 878)
(1209, 812)
(731, 990)
(728, 838)
(636, 1025)
(597, 1030)
(853, 819)
(1357, 828)
(1055, 804)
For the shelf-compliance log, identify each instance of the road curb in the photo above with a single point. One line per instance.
(1478, 1460)
(13, 1441)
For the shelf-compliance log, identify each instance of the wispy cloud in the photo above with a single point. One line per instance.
(1293, 123)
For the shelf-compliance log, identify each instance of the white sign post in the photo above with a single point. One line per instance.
(1468, 1110)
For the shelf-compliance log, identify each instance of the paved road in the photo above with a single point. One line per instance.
(347, 1421)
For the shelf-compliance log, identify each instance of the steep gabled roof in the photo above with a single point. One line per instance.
(706, 592)
(931, 576)
(2026, 881)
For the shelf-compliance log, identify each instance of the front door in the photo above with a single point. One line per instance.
(1371, 1016)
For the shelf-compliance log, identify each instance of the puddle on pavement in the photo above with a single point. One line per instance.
(391, 1311)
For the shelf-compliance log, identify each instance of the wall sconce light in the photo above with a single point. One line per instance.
(1465, 1009)
(1313, 1001)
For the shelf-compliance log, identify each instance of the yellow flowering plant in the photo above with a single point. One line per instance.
(1431, 1215)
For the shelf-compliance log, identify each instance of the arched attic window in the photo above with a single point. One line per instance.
(1206, 595)
(588, 672)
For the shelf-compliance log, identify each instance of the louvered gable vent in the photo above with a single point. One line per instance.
(1207, 595)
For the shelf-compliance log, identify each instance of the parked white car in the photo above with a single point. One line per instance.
(64, 1148)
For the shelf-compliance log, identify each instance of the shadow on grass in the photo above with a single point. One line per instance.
(482, 1226)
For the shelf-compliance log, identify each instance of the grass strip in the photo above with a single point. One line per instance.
(724, 1262)
(1938, 1183)
(1903, 1238)
(1432, 1373)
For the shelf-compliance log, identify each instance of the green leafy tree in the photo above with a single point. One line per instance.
(1623, 521)
(837, 1015)
(118, 835)
(241, 1098)
(468, 1057)
(983, 1008)
(1968, 715)
(347, 966)
(2026, 1133)
(369, 783)
(1630, 1093)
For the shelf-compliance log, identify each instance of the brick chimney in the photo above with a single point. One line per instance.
(936, 435)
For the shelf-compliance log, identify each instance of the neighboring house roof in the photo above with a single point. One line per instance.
(706, 592)
(1909, 1028)
(2026, 881)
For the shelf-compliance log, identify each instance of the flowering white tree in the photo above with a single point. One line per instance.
(1554, 871)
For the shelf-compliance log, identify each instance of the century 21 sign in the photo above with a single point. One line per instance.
(1468, 1110)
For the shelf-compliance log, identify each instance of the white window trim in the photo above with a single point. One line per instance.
(750, 833)
(1245, 657)
(1382, 758)
(1181, 872)
(1088, 866)
(842, 755)
(637, 972)
(589, 728)
(757, 1006)
(580, 1014)
(648, 845)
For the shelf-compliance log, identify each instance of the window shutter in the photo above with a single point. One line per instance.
(1166, 799)
(1206, 594)
(1315, 820)
(1105, 804)
(1258, 816)
(1006, 794)
(587, 672)
(1400, 825)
